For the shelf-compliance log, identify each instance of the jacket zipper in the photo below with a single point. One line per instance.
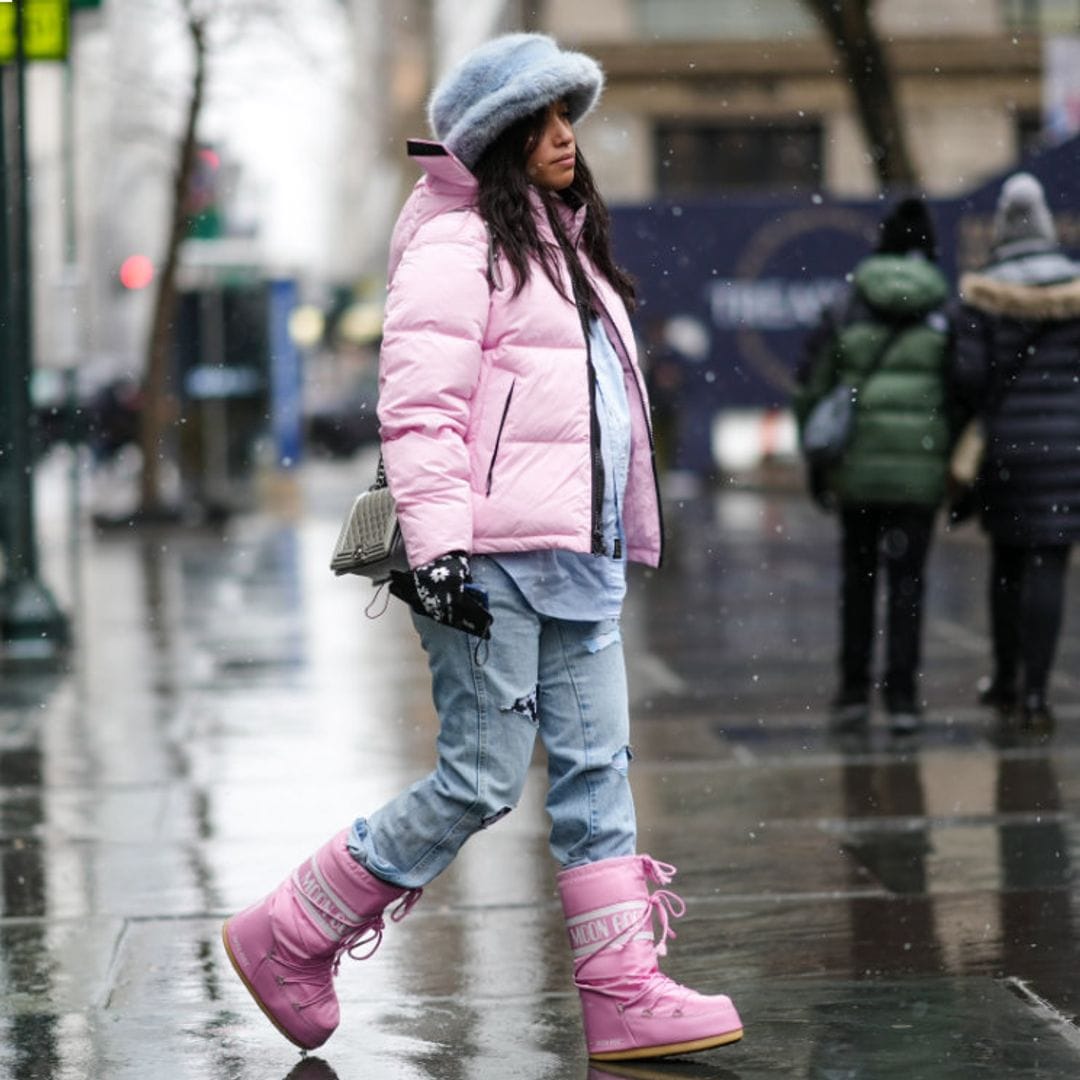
(498, 436)
(596, 461)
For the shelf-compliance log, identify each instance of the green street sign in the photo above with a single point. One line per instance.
(76, 4)
(45, 25)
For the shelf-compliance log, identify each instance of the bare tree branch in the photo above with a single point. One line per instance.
(850, 27)
(212, 28)
(158, 404)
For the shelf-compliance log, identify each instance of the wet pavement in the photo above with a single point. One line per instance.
(878, 909)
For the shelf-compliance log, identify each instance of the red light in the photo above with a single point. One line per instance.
(210, 158)
(136, 272)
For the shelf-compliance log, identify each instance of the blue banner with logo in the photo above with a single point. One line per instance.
(729, 287)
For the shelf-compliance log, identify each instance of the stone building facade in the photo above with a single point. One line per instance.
(706, 96)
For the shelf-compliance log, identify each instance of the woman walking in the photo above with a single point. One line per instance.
(515, 433)
(1018, 369)
(888, 340)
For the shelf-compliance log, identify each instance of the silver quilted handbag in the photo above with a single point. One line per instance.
(370, 540)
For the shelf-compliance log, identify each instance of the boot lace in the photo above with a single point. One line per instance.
(652, 990)
(367, 932)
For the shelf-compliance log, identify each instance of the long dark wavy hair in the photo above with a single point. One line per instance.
(503, 202)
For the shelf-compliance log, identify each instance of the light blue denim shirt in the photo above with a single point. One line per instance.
(565, 584)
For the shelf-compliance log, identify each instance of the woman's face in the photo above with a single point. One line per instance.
(550, 163)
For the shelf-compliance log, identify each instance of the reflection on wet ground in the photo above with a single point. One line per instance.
(879, 908)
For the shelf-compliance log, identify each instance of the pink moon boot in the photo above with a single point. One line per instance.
(287, 948)
(632, 1010)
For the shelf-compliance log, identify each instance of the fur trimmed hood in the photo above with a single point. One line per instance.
(1056, 302)
(503, 81)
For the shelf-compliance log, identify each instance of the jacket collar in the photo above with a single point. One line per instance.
(441, 167)
(572, 221)
(1019, 249)
(1038, 268)
(446, 173)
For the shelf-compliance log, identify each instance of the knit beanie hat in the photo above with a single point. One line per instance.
(503, 81)
(1022, 215)
(908, 228)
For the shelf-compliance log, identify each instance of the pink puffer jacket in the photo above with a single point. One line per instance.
(484, 400)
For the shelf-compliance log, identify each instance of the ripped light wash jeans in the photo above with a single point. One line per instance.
(562, 680)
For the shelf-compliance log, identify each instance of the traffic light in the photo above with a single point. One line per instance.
(204, 195)
(136, 272)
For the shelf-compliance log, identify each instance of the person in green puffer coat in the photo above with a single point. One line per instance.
(889, 337)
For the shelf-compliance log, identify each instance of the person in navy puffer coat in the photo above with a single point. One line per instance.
(1017, 367)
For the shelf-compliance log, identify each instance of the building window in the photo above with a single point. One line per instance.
(1041, 16)
(694, 20)
(704, 159)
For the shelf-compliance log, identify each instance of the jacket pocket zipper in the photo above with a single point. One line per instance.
(498, 437)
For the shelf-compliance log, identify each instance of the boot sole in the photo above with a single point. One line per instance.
(692, 1047)
(255, 997)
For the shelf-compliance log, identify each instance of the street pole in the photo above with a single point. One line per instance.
(68, 351)
(7, 339)
(32, 627)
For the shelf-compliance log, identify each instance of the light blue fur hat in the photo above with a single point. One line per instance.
(503, 81)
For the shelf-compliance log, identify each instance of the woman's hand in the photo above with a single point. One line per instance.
(443, 590)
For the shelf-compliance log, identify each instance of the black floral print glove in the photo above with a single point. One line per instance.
(443, 590)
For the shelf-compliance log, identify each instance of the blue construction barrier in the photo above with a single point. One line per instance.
(745, 278)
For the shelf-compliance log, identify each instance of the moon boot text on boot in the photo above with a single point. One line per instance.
(632, 1010)
(287, 948)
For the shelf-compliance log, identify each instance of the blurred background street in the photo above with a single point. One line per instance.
(884, 908)
(197, 201)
